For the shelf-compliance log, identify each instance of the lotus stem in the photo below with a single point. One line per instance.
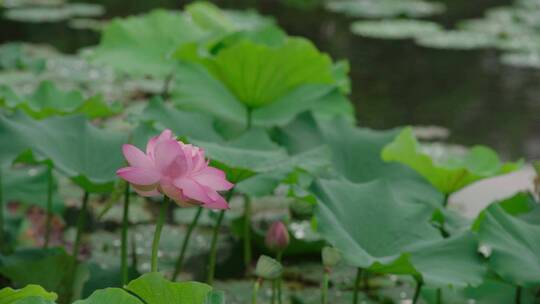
(356, 285)
(439, 296)
(81, 223)
(247, 232)
(180, 261)
(213, 249)
(157, 233)
(256, 286)
(124, 248)
(213, 246)
(279, 256)
(166, 86)
(2, 236)
(48, 223)
(274, 291)
(417, 291)
(519, 291)
(446, 199)
(324, 287)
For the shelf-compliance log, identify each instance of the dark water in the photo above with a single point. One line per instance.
(394, 82)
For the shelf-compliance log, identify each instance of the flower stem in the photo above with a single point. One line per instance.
(247, 232)
(180, 261)
(256, 286)
(439, 296)
(324, 288)
(278, 281)
(213, 247)
(81, 223)
(2, 236)
(48, 224)
(274, 291)
(419, 285)
(357, 285)
(157, 233)
(124, 248)
(518, 294)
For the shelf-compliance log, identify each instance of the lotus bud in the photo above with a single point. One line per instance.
(330, 256)
(277, 237)
(268, 268)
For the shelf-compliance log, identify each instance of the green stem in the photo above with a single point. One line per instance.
(2, 236)
(279, 258)
(180, 261)
(81, 223)
(274, 291)
(356, 285)
(48, 224)
(439, 296)
(256, 286)
(166, 87)
(419, 285)
(157, 233)
(324, 288)
(124, 248)
(249, 118)
(247, 232)
(446, 199)
(213, 247)
(518, 294)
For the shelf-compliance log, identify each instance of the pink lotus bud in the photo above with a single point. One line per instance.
(277, 237)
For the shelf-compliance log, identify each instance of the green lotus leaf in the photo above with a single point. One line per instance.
(305, 81)
(14, 56)
(141, 45)
(522, 59)
(458, 40)
(395, 29)
(47, 100)
(86, 154)
(448, 173)
(513, 245)
(29, 186)
(393, 234)
(50, 268)
(35, 292)
(153, 288)
(40, 14)
(110, 295)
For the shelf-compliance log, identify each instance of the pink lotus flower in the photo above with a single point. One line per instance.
(277, 237)
(179, 171)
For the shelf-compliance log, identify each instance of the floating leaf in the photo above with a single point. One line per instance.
(385, 8)
(514, 246)
(522, 60)
(13, 56)
(39, 14)
(86, 154)
(141, 45)
(11, 296)
(448, 173)
(395, 29)
(459, 40)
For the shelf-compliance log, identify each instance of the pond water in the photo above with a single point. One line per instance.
(479, 99)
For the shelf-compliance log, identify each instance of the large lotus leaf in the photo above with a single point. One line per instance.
(11, 296)
(153, 288)
(184, 124)
(448, 173)
(40, 14)
(514, 245)
(14, 56)
(141, 45)
(110, 295)
(48, 100)
(356, 156)
(273, 71)
(88, 155)
(29, 186)
(48, 268)
(391, 235)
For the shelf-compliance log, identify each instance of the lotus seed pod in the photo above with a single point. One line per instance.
(268, 268)
(330, 256)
